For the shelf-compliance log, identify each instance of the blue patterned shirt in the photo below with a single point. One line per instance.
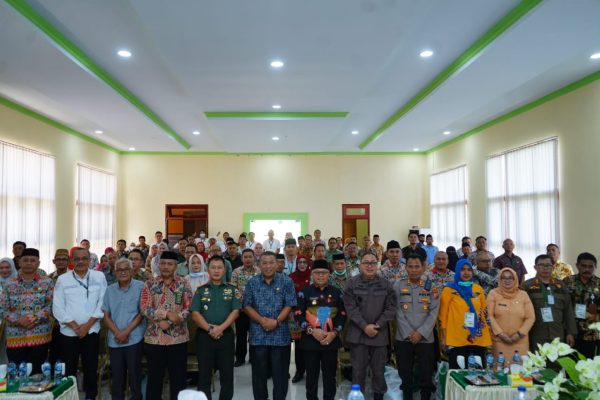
(268, 299)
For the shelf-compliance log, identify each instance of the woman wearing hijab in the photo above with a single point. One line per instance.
(7, 271)
(301, 279)
(463, 316)
(201, 249)
(452, 257)
(198, 275)
(511, 315)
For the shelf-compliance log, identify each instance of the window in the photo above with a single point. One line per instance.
(448, 207)
(27, 201)
(522, 199)
(96, 207)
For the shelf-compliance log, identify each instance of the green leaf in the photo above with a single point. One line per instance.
(548, 374)
(582, 394)
(568, 364)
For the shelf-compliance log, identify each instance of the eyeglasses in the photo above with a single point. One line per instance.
(369, 263)
(507, 278)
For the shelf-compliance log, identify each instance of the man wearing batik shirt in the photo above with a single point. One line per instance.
(165, 302)
(481, 247)
(585, 297)
(379, 249)
(367, 247)
(25, 305)
(352, 259)
(561, 269)
(239, 279)
(511, 260)
(392, 269)
(440, 275)
(339, 275)
(332, 250)
(485, 275)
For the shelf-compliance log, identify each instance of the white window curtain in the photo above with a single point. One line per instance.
(448, 212)
(27, 201)
(96, 207)
(522, 200)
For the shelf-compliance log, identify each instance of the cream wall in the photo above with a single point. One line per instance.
(573, 118)
(233, 185)
(69, 150)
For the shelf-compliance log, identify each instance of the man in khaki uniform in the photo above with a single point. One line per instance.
(416, 317)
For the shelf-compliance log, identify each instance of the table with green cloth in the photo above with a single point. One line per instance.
(457, 388)
(66, 390)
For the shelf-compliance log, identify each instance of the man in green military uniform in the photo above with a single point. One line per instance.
(215, 308)
(553, 310)
(585, 297)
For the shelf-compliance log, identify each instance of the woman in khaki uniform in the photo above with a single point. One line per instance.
(511, 315)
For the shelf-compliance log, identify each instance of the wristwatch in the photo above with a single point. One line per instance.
(309, 330)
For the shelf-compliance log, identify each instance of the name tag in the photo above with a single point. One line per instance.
(550, 300)
(547, 314)
(580, 311)
(469, 320)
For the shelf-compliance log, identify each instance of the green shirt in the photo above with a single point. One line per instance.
(216, 302)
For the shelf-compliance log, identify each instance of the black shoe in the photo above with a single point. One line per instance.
(297, 378)
(239, 363)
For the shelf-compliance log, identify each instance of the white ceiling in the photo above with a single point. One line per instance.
(361, 57)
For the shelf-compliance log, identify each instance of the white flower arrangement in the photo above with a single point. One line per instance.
(583, 381)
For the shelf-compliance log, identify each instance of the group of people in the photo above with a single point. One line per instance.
(415, 304)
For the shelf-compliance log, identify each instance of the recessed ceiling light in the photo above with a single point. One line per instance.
(277, 64)
(275, 138)
(447, 132)
(98, 132)
(595, 56)
(355, 132)
(416, 149)
(426, 53)
(132, 149)
(196, 132)
(276, 106)
(124, 53)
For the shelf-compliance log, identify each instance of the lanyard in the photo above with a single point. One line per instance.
(85, 286)
(546, 291)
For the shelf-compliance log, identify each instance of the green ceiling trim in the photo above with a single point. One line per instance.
(88, 64)
(518, 111)
(464, 59)
(273, 115)
(222, 153)
(275, 216)
(53, 123)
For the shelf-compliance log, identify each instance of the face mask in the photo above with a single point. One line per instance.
(197, 274)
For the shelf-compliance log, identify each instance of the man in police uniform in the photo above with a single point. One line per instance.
(321, 315)
(552, 303)
(215, 308)
(370, 303)
(585, 297)
(416, 317)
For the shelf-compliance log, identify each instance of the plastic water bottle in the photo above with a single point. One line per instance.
(516, 358)
(521, 394)
(471, 362)
(355, 393)
(47, 371)
(12, 374)
(57, 372)
(22, 372)
(501, 360)
(489, 360)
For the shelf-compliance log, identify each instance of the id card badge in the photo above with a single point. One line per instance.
(550, 300)
(469, 320)
(547, 314)
(580, 311)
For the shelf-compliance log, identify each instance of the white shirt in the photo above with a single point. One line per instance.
(251, 244)
(73, 302)
(272, 245)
